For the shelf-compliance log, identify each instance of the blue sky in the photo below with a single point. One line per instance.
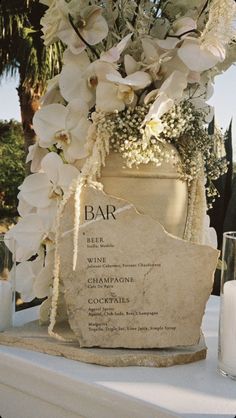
(224, 100)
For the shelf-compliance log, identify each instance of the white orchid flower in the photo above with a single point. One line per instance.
(79, 77)
(35, 155)
(66, 127)
(29, 233)
(152, 122)
(91, 25)
(119, 92)
(26, 273)
(199, 56)
(41, 189)
(56, 13)
(153, 128)
(172, 89)
(88, 21)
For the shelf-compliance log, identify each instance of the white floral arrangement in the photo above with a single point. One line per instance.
(137, 75)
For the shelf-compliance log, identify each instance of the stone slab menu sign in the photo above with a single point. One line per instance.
(135, 285)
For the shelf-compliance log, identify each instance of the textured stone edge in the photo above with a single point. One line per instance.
(101, 356)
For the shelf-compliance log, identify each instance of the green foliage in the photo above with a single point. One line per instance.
(12, 165)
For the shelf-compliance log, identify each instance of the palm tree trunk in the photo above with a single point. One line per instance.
(29, 104)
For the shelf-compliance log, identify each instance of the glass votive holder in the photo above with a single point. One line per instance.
(227, 323)
(7, 282)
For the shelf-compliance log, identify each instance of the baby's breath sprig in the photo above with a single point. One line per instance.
(183, 126)
(197, 150)
(127, 137)
(178, 121)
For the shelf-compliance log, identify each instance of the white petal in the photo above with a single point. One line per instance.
(161, 105)
(215, 48)
(23, 207)
(48, 215)
(131, 66)
(51, 164)
(24, 280)
(76, 149)
(151, 96)
(174, 64)
(72, 75)
(106, 98)
(210, 237)
(100, 70)
(68, 36)
(194, 77)
(174, 85)
(184, 24)
(139, 80)
(168, 43)
(196, 57)
(37, 264)
(67, 174)
(123, 43)
(49, 259)
(96, 29)
(52, 94)
(43, 281)
(113, 54)
(47, 121)
(31, 151)
(35, 155)
(150, 50)
(77, 109)
(35, 190)
(80, 61)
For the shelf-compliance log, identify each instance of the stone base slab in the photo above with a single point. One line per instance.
(34, 337)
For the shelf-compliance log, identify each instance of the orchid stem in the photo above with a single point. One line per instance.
(93, 50)
(184, 33)
(136, 12)
(204, 8)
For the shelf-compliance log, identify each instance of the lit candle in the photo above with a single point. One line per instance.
(228, 328)
(5, 305)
